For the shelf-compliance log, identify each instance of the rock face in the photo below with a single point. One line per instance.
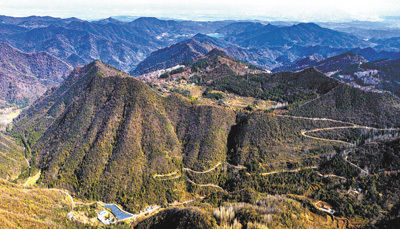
(26, 76)
(104, 135)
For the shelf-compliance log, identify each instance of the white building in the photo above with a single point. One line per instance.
(105, 217)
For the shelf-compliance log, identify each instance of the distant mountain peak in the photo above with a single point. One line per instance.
(308, 25)
(350, 55)
(148, 19)
(201, 36)
(109, 20)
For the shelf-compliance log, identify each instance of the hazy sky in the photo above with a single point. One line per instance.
(300, 10)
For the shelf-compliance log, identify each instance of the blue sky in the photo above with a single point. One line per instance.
(306, 10)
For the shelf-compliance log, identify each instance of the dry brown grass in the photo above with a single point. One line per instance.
(32, 208)
(196, 92)
(274, 211)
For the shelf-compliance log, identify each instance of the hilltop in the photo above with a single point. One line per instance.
(183, 52)
(378, 109)
(214, 64)
(189, 51)
(105, 134)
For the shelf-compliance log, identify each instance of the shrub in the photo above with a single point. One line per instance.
(183, 92)
(213, 95)
(178, 70)
(164, 75)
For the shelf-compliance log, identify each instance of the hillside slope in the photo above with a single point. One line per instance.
(12, 160)
(32, 208)
(189, 51)
(183, 52)
(105, 135)
(353, 68)
(108, 134)
(354, 105)
(26, 76)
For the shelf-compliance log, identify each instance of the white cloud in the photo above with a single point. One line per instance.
(306, 10)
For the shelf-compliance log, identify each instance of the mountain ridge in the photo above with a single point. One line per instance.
(99, 106)
(26, 76)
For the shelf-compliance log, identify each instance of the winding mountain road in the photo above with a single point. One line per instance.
(351, 126)
(288, 171)
(331, 175)
(202, 172)
(206, 185)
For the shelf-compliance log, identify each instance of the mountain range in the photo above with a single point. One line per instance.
(190, 50)
(220, 124)
(122, 44)
(26, 76)
(302, 34)
(126, 44)
(353, 68)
